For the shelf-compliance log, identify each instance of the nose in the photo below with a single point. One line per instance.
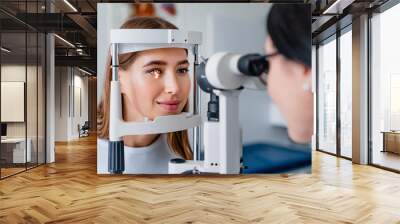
(171, 83)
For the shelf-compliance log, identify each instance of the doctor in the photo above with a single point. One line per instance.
(289, 79)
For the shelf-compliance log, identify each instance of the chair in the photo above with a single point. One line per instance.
(84, 130)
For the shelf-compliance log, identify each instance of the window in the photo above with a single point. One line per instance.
(346, 93)
(327, 96)
(22, 69)
(385, 89)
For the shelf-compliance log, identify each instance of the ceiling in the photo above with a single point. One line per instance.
(76, 22)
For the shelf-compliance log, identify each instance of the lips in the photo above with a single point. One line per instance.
(169, 105)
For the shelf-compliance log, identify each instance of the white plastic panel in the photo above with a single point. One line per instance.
(12, 101)
(154, 36)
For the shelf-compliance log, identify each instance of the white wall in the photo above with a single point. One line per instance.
(50, 95)
(61, 103)
(17, 73)
(80, 83)
(12, 73)
(33, 125)
(68, 80)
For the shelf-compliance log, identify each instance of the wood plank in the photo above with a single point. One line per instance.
(70, 191)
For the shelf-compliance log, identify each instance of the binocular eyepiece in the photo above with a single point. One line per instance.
(249, 65)
(253, 64)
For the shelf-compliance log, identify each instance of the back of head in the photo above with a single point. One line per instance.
(289, 26)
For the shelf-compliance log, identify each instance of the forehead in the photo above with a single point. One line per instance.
(168, 55)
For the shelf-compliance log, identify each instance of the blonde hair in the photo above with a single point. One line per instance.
(177, 141)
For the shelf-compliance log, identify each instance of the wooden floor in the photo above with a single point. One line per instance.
(70, 191)
(10, 171)
(387, 159)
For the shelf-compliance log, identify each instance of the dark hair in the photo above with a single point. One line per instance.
(289, 26)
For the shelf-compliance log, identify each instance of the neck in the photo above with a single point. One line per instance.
(130, 114)
(140, 140)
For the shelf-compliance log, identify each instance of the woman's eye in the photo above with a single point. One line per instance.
(183, 70)
(154, 72)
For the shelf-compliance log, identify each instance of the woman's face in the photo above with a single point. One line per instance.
(156, 83)
(289, 85)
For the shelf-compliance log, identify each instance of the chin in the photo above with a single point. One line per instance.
(162, 110)
(166, 113)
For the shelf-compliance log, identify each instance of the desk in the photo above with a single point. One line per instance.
(17, 150)
(391, 141)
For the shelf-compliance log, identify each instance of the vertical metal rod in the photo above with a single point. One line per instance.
(316, 96)
(197, 104)
(0, 95)
(114, 52)
(26, 87)
(46, 37)
(369, 89)
(116, 156)
(338, 95)
(73, 91)
(37, 91)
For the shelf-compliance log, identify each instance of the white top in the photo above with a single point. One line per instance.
(152, 159)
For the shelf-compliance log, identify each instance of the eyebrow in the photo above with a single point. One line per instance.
(183, 62)
(158, 62)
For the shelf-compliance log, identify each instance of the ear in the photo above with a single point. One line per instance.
(307, 71)
(266, 44)
(269, 46)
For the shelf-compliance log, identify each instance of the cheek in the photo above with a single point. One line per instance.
(280, 86)
(144, 92)
(274, 81)
(150, 92)
(185, 86)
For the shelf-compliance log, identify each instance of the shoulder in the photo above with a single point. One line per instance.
(102, 144)
(102, 156)
(161, 147)
(101, 141)
(160, 143)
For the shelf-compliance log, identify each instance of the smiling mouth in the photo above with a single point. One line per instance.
(169, 106)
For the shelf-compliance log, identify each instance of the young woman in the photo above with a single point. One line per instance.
(289, 77)
(153, 83)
